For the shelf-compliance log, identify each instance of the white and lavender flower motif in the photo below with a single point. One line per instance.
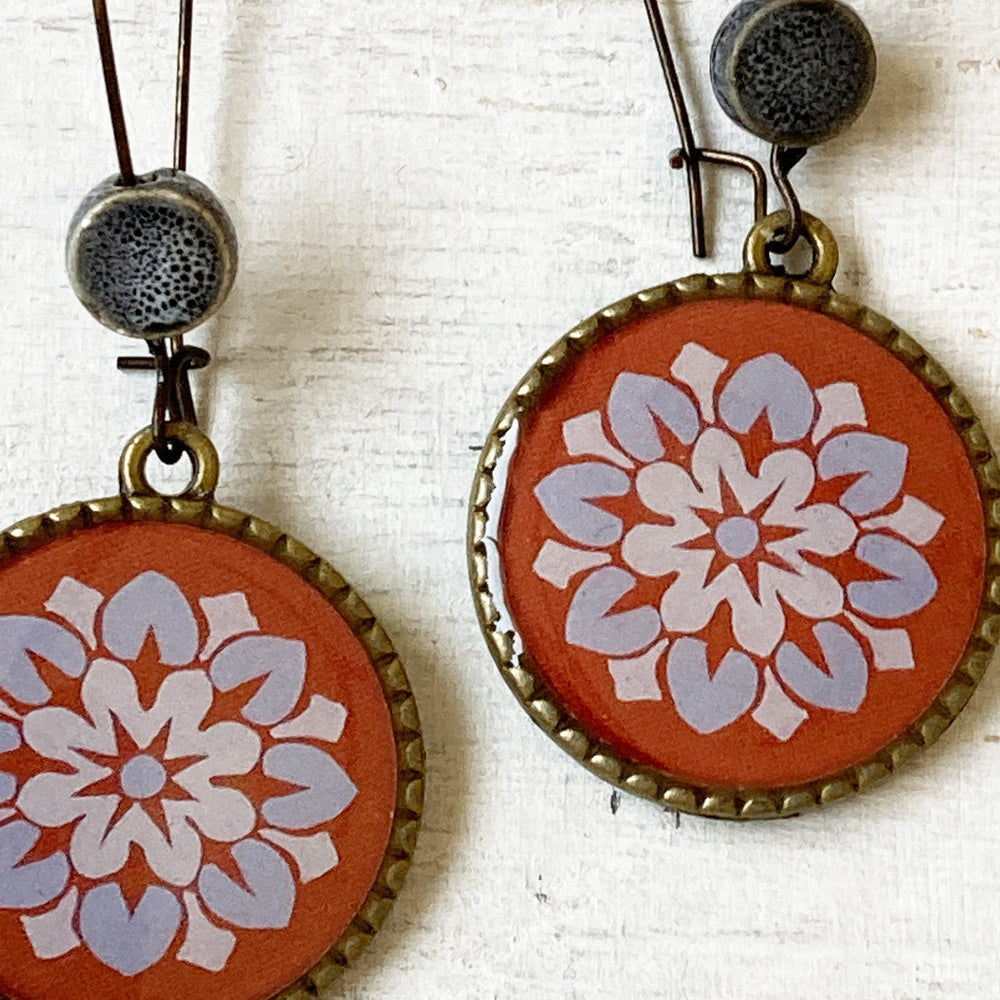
(116, 777)
(750, 537)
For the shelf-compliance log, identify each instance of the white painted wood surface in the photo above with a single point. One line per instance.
(427, 196)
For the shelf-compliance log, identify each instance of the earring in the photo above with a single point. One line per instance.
(729, 537)
(210, 756)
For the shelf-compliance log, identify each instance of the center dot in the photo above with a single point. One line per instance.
(737, 536)
(142, 777)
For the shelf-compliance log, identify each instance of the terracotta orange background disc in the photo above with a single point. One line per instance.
(197, 766)
(740, 541)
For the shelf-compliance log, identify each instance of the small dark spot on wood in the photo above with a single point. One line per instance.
(542, 897)
(991, 738)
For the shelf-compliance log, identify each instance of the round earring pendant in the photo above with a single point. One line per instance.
(730, 539)
(153, 259)
(210, 757)
(793, 72)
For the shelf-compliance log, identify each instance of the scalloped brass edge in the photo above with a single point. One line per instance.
(35, 532)
(657, 785)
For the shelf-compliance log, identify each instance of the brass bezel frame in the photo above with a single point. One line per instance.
(543, 705)
(204, 513)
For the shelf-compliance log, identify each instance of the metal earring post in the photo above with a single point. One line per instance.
(783, 159)
(690, 156)
(169, 358)
(114, 92)
(183, 99)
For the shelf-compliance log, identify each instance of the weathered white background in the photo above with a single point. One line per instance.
(428, 195)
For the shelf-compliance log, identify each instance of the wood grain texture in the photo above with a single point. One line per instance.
(427, 196)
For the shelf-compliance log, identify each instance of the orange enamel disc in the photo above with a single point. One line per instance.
(740, 543)
(198, 765)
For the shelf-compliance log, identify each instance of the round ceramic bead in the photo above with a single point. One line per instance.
(794, 72)
(153, 259)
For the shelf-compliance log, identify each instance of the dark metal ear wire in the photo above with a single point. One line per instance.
(783, 159)
(691, 155)
(182, 104)
(182, 101)
(114, 92)
(173, 400)
(171, 359)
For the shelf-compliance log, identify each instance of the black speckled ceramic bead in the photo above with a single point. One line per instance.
(153, 259)
(794, 72)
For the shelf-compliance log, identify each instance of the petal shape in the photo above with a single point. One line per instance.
(313, 856)
(636, 407)
(658, 550)
(129, 942)
(584, 435)
(51, 934)
(769, 385)
(776, 712)
(10, 737)
(281, 661)
(669, 489)
(205, 945)
(564, 493)
(228, 615)
(785, 477)
(25, 886)
(151, 603)
(891, 647)
(758, 624)
(269, 898)
(326, 789)
(840, 405)
(99, 850)
(710, 702)
(22, 636)
(77, 604)
(879, 462)
(824, 529)
(635, 679)
(699, 369)
(911, 584)
(590, 624)
(813, 592)
(844, 687)
(8, 786)
(916, 521)
(322, 720)
(558, 564)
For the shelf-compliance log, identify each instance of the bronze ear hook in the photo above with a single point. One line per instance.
(690, 156)
(170, 358)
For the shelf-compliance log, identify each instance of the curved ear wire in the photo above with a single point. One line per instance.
(691, 155)
(114, 92)
(183, 98)
(170, 358)
(183, 101)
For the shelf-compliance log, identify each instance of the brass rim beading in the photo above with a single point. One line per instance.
(757, 282)
(140, 503)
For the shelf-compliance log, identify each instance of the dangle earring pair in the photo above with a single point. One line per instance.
(210, 756)
(732, 538)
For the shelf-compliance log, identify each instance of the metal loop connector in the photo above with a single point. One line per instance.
(825, 253)
(189, 440)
